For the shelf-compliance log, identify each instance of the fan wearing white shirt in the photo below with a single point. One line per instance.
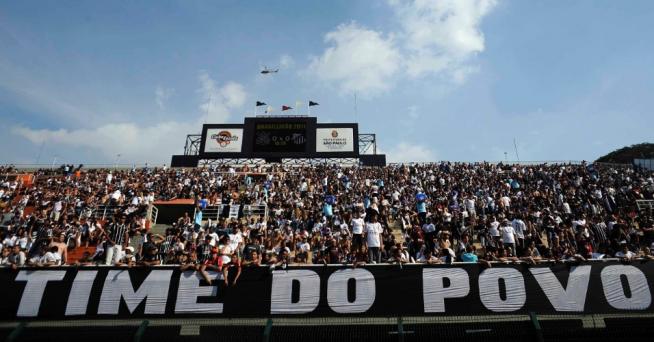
(625, 253)
(357, 224)
(373, 239)
(508, 236)
(430, 232)
(519, 227)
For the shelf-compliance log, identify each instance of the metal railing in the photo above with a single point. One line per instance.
(213, 212)
(103, 211)
(153, 214)
(645, 205)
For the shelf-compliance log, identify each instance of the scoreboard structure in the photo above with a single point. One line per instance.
(279, 139)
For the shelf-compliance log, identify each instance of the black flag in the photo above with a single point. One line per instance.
(311, 103)
(259, 103)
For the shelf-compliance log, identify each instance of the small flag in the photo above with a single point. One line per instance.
(286, 108)
(269, 109)
(311, 103)
(259, 103)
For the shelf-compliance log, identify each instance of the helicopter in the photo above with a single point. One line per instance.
(267, 71)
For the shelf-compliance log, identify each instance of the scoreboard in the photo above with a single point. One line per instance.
(280, 137)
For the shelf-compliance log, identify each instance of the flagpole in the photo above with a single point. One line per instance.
(255, 109)
(308, 108)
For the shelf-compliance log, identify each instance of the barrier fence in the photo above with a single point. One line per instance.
(213, 212)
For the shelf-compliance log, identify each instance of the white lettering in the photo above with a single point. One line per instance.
(190, 290)
(118, 284)
(489, 289)
(640, 298)
(337, 291)
(573, 297)
(78, 298)
(30, 302)
(434, 291)
(282, 288)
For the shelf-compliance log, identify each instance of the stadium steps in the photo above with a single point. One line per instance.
(396, 229)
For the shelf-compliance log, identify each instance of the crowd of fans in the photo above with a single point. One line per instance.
(328, 214)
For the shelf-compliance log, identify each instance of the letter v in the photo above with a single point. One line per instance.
(573, 297)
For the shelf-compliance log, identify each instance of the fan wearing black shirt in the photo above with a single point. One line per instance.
(251, 249)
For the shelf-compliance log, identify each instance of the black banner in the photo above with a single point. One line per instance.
(383, 290)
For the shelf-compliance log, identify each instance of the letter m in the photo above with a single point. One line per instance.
(117, 285)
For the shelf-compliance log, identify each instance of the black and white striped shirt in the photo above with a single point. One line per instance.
(203, 252)
(117, 233)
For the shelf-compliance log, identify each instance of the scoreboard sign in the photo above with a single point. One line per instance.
(224, 140)
(277, 138)
(334, 140)
(280, 137)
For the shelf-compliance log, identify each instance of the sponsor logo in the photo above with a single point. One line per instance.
(334, 142)
(224, 138)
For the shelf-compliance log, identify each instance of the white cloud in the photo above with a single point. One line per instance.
(139, 144)
(153, 143)
(410, 152)
(359, 60)
(436, 38)
(218, 102)
(441, 36)
(161, 96)
(286, 61)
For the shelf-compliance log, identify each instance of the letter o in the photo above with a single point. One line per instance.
(489, 289)
(337, 291)
(640, 296)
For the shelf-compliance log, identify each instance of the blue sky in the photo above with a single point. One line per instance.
(436, 80)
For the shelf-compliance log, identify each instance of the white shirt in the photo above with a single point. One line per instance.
(357, 226)
(507, 234)
(470, 204)
(234, 240)
(519, 226)
(373, 231)
(50, 257)
(627, 255)
(493, 228)
(566, 208)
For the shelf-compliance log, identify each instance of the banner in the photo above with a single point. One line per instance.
(384, 290)
(223, 140)
(334, 140)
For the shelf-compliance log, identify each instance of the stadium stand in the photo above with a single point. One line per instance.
(321, 214)
(274, 216)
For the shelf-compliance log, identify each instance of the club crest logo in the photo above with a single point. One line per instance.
(224, 138)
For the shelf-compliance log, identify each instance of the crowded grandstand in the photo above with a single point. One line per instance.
(433, 213)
